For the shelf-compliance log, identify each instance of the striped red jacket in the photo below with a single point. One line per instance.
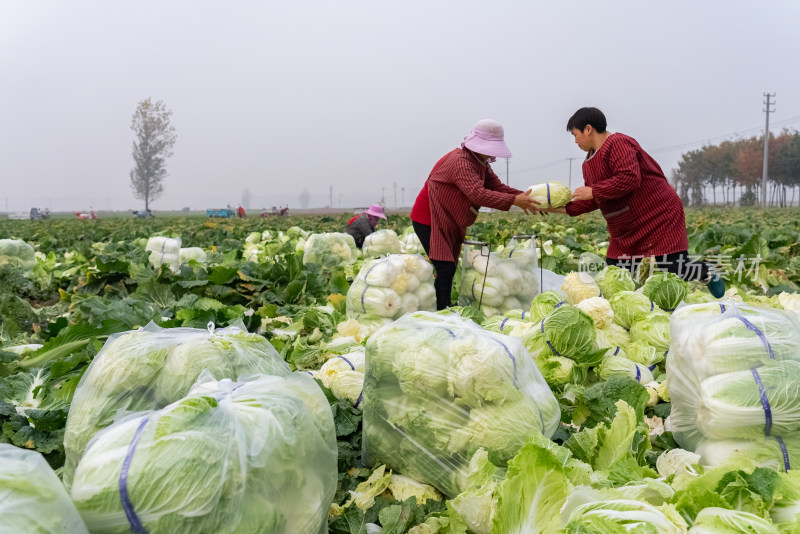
(643, 213)
(457, 187)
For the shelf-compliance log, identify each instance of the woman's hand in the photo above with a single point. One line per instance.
(582, 193)
(561, 210)
(524, 201)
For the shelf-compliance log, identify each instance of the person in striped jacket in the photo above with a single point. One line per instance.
(643, 212)
(460, 183)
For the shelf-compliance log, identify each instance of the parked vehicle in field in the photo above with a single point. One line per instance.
(143, 214)
(39, 215)
(227, 213)
(86, 214)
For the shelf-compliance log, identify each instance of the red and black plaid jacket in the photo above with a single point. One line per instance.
(458, 186)
(643, 212)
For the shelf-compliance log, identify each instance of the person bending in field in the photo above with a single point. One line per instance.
(643, 212)
(364, 224)
(461, 182)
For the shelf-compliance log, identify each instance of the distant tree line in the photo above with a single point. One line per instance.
(713, 174)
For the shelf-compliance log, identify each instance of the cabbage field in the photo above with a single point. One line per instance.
(183, 374)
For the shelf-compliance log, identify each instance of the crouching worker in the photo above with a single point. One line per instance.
(364, 224)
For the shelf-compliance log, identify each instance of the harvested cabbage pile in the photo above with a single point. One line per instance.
(551, 194)
(32, 498)
(151, 367)
(386, 288)
(381, 243)
(499, 281)
(17, 253)
(411, 242)
(257, 455)
(330, 250)
(733, 374)
(165, 251)
(438, 387)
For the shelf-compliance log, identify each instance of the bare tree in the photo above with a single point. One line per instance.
(155, 137)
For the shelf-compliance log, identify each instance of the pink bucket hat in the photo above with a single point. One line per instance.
(487, 138)
(375, 210)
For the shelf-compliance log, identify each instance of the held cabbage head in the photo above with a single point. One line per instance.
(551, 194)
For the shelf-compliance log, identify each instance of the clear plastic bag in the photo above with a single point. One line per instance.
(258, 455)
(499, 281)
(164, 251)
(381, 243)
(330, 250)
(32, 498)
(193, 253)
(17, 253)
(388, 287)
(733, 373)
(438, 387)
(148, 368)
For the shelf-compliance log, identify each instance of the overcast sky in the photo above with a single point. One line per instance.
(278, 97)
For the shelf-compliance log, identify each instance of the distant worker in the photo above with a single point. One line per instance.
(240, 212)
(643, 212)
(364, 223)
(459, 184)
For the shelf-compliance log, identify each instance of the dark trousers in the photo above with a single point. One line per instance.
(445, 270)
(678, 263)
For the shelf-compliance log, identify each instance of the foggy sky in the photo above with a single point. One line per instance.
(278, 97)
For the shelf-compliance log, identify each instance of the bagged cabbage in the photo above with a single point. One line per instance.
(381, 243)
(411, 243)
(257, 455)
(732, 373)
(17, 253)
(499, 281)
(773, 452)
(165, 251)
(551, 194)
(330, 250)
(438, 387)
(343, 374)
(148, 368)
(386, 288)
(32, 498)
(193, 253)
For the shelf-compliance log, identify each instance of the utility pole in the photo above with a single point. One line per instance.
(570, 172)
(395, 195)
(331, 193)
(383, 196)
(766, 149)
(402, 197)
(506, 171)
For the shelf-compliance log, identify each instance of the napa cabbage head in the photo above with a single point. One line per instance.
(612, 336)
(545, 303)
(578, 287)
(666, 289)
(629, 306)
(569, 332)
(653, 329)
(483, 369)
(613, 279)
(714, 520)
(621, 366)
(643, 353)
(599, 310)
(551, 194)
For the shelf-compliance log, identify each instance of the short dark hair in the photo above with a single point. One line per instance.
(585, 116)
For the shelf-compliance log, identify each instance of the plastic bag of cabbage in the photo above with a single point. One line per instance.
(164, 251)
(32, 498)
(18, 254)
(411, 242)
(193, 254)
(438, 387)
(258, 455)
(499, 281)
(381, 243)
(386, 288)
(330, 250)
(151, 367)
(733, 373)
